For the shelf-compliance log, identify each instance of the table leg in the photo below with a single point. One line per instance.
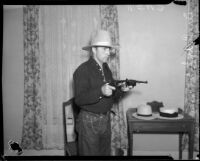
(191, 142)
(180, 145)
(130, 143)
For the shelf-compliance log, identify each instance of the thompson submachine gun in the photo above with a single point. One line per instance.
(127, 82)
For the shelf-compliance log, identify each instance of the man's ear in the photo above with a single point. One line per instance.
(94, 50)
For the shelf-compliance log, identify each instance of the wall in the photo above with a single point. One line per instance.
(12, 74)
(152, 42)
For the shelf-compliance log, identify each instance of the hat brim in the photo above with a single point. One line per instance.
(144, 117)
(90, 46)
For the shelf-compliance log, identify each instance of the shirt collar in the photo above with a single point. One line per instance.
(94, 63)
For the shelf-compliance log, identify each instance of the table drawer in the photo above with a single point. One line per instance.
(159, 127)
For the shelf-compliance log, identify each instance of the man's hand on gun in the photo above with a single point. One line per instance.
(125, 87)
(107, 89)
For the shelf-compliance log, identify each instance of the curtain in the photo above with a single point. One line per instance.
(53, 38)
(191, 104)
(109, 21)
(57, 35)
(32, 114)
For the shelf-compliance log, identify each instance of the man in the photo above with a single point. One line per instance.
(95, 96)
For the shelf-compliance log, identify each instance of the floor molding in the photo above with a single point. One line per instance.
(173, 154)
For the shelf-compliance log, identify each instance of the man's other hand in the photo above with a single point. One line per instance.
(107, 89)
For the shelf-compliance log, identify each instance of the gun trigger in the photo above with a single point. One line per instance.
(112, 112)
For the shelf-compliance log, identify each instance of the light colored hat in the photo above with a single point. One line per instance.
(100, 38)
(144, 110)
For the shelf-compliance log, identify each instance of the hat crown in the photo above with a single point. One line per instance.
(144, 110)
(101, 38)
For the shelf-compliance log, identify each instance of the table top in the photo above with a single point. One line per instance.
(130, 117)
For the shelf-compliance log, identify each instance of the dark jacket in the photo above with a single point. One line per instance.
(88, 80)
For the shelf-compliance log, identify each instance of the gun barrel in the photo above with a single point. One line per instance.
(142, 82)
(137, 81)
(131, 81)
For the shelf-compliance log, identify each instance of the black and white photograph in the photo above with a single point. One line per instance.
(114, 80)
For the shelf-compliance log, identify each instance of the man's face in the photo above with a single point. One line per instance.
(102, 54)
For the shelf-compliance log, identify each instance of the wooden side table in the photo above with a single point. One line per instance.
(181, 126)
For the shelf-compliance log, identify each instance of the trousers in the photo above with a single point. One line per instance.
(94, 134)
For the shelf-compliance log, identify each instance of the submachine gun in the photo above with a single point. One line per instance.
(127, 82)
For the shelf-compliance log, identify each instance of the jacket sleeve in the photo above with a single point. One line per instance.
(84, 95)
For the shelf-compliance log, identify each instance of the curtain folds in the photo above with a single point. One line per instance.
(192, 71)
(65, 30)
(109, 21)
(53, 38)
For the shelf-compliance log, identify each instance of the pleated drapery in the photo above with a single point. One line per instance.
(32, 114)
(53, 38)
(191, 104)
(109, 21)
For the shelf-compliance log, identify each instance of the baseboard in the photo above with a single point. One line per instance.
(36, 153)
(173, 154)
